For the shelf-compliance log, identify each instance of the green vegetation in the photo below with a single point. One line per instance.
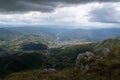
(33, 46)
(103, 68)
(109, 43)
(12, 40)
(63, 59)
(62, 34)
(26, 56)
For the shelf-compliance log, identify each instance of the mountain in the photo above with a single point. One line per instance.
(6, 34)
(72, 51)
(53, 37)
(101, 68)
(58, 58)
(64, 34)
(12, 40)
(109, 43)
(92, 35)
(26, 48)
(41, 31)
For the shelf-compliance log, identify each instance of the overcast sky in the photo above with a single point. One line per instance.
(71, 13)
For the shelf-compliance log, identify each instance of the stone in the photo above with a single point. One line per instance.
(87, 56)
(105, 51)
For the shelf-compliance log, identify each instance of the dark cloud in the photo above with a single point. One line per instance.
(106, 14)
(25, 5)
(39, 5)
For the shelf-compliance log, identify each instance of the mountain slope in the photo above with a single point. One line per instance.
(57, 57)
(109, 43)
(6, 34)
(102, 68)
(12, 40)
(62, 34)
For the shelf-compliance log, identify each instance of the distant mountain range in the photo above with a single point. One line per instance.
(13, 37)
(12, 40)
(62, 34)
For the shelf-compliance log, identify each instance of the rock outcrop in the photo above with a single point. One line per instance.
(105, 51)
(83, 59)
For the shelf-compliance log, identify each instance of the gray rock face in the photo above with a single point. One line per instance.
(86, 56)
(105, 51)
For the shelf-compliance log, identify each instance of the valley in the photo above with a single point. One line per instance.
(59, 39)
(25, 54)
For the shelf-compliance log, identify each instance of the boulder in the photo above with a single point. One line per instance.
(86, 57)
(105, 51)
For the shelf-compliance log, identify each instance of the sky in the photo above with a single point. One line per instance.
(69, 13)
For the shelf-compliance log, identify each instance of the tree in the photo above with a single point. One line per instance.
(34, 46)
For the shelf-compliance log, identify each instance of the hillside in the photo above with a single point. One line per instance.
(12, 40)
(58, 58)
(103, 68)
(62, 34)
(73, 51)
(26, 51)
(109, 43)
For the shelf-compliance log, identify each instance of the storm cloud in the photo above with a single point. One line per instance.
(12, 6)
(78, 13)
